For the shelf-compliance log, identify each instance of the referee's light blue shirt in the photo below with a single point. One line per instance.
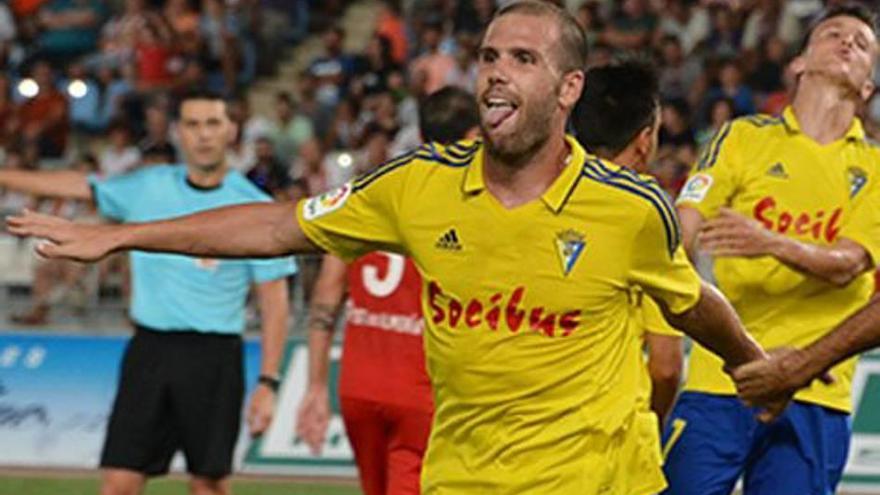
(173, 292)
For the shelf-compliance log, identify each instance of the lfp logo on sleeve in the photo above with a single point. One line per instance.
(327, 202)
(696, 188)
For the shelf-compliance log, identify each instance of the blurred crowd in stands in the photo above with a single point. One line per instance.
(91, 82)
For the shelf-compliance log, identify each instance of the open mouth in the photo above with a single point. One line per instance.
(499, 111)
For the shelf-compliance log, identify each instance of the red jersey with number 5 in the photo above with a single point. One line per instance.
(383, 358)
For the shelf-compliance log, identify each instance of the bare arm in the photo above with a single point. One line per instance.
(245, 231)
(732, 234)
(326, 301)
(273, 300)
(55, 184)
(714, 324)
(789, 370)
(665, 359)
(691, 222)
(314, 412)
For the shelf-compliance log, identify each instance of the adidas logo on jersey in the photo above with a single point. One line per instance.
(778, 171)
(449, 241)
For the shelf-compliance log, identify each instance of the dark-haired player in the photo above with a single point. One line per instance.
(618, 119)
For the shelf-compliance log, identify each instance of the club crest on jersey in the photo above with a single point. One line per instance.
(857, 179)
(318, 206)
(569, 246)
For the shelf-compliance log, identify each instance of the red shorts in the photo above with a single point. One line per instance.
(389, 443)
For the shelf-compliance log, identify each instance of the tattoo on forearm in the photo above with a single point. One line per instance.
(322, 317)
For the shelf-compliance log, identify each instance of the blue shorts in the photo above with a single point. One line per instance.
(712, 440)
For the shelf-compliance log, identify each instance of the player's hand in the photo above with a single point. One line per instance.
(732, 234)
(260, 410)
(771, 383)
(313, 418)
(64, 239)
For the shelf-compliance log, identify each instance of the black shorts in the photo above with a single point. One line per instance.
(177, 391)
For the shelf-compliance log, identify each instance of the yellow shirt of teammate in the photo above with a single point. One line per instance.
(765, 168)
(531, 344)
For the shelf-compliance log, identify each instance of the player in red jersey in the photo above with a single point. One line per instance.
(384, 391)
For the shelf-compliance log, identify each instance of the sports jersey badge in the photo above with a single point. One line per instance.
(318, 206)
(569, 246)
(696, 188)
(857, 179)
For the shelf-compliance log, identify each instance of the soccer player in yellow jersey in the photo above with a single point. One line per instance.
(618, 118)
(529, 250)
(789, 207)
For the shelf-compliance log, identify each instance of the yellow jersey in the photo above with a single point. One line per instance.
(767, 169)
(531, 345)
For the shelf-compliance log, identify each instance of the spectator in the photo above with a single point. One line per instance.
(776, 101)
(601, 54)
(156, 146)
(309, 167)
(730, 85)
(70, 29)
(377, 65)
(291, 128)
(762, 24)
(8, 112)
(120, 155)
(724, 40)
(181, 17)
(344, 129)
(153, 52)
(334, 68)
(675, 130)
(767, 77)
(390, 26)
(8, 31)
(631, 27)
(84, 100)
(678, 73)
(689, 22)
(429, 70)
(721, 110)
(590, 20)
(464, 73)
(120, 35)
(42, 119)
(220, 30)
(269, 173)
(473, 17)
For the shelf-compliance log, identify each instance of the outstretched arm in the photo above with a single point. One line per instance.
(55, 184)
(244, 231)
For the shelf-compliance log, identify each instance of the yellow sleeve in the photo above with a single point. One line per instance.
(653, 320)
(863, 226)
(358, 217)
(659, 264)
(712, 181)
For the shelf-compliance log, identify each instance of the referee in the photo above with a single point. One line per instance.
(181, 385)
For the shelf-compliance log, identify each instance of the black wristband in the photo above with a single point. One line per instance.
(269, 381)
